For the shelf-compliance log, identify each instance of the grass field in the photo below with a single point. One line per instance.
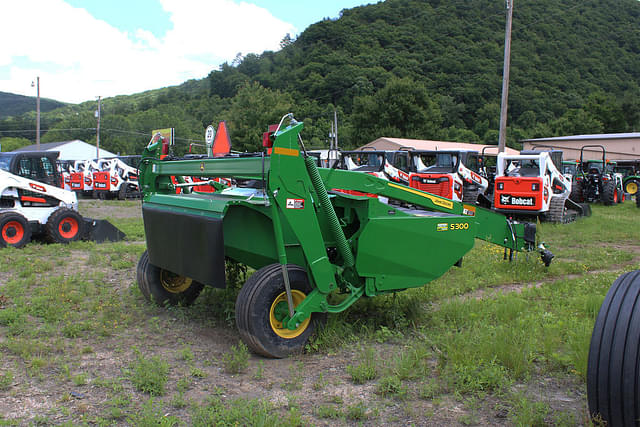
(491, 343)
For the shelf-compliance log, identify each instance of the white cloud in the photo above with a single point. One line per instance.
(79, 57)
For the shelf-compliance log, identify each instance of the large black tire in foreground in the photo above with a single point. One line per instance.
(14, 230)
(613, 370)
(64, 226)
(261, 304)
(164, 287)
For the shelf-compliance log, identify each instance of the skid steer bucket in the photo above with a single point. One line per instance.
(100, 231)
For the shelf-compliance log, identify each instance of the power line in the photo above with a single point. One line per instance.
(138, 133)
(47, 130)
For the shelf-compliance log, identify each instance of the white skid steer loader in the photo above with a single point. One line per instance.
(31, 204)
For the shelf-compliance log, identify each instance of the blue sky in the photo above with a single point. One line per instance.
(85, 48)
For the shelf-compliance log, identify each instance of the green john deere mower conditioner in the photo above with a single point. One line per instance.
(304, 240)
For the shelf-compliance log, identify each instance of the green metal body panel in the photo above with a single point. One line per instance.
(406, 252)
(357, 245)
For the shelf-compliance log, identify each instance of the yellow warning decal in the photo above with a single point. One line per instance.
(438, 201)
(286, 151)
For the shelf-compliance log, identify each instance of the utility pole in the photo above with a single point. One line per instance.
(37, 111)
(502, 140)
(335, 128)
(98, 129)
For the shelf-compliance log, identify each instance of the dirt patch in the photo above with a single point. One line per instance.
(110, 209)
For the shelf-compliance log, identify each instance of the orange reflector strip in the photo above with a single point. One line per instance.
(33, 199)
(286, 151)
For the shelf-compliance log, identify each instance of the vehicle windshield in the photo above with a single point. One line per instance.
(522, 167)
(436, 162)
(364, 161)
(5, 161)
(594, 166)
(569, 169)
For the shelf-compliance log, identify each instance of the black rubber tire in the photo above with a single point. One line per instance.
(94, 194)
(627, 185)
(608, 193)
(613, 369)
(253, 307)
(576, 192)
(141, 276)
(64, 226)
(638, 199)
(151, 281)
(14, 230)
(122, 192)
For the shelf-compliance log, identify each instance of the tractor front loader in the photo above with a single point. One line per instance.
(304, 242)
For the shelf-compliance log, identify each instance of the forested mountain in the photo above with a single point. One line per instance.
(14, 105)
(427, 69)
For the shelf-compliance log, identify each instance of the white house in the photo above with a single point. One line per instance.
(70, 150)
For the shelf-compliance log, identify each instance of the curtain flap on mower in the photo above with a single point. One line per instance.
(186, 244)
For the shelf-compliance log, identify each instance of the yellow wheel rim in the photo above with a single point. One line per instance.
(174, 283)
(632, 187)
(280, 306)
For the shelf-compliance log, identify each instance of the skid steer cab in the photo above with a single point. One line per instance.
(531, 184)
(32, 205)
(305, 242)
(453, 174)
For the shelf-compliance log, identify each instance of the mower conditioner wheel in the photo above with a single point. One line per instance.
(613, 369)
(14, 230)
(262, 304)
(64, 226)
(164, 287)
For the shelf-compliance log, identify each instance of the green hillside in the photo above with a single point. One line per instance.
(15, 105)
(403, 68)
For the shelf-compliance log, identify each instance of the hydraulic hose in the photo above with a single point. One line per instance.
(327, 209)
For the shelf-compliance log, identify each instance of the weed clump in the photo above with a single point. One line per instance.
(149, 375)
(237, 360)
